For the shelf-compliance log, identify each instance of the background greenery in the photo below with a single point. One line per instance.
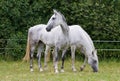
(100, 18)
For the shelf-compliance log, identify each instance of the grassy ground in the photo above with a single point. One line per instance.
(19, 71)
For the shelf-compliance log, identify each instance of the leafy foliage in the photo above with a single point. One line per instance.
(100, 18)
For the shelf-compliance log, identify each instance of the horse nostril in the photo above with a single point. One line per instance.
(48, 29)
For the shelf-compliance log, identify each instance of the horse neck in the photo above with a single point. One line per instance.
(65, 29)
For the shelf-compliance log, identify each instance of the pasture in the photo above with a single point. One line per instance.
(19, 71)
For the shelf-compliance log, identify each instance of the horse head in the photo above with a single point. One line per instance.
(93, 61)
(56, 19)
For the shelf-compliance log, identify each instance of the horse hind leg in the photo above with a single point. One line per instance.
(31, 57)
(73, 48)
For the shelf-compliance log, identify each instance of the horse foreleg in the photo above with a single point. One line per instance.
(73, 48)
(53, 53)
(84, 64)
(63, 58)
(56, 60)
(45, 57)
(31, 58)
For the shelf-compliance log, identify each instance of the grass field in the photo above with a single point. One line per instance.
(19, 71)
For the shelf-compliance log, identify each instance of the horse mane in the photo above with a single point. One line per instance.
(63, 17)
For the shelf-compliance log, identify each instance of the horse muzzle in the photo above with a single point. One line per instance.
(48, 29)
(95, 69)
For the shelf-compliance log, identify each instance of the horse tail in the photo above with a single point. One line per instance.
(27, 57)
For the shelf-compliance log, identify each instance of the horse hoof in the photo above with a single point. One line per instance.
(41, 69)
(62, 71)
(31, 70)
(56, 71)
(81, 68)
(74, 70)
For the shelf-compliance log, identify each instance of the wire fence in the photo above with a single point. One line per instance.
(95, 41)
(108, 42)
(15, 48)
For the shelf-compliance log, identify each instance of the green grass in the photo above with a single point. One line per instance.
(19, 71)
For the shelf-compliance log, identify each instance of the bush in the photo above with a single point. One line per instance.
(99, 18)
(15, 48)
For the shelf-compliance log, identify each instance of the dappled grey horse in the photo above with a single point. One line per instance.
(77, 38)
(51, 39)
(37, 37)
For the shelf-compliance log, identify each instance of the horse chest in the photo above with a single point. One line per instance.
(61, 42)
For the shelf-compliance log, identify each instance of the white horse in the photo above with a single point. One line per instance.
(58, 40)
(77, 38)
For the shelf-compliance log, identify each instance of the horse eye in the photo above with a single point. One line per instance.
(53, 18)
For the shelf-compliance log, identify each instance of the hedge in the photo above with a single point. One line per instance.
(100, 18)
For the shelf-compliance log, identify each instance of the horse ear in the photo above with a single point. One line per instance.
(94, 51)
(55, 11)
